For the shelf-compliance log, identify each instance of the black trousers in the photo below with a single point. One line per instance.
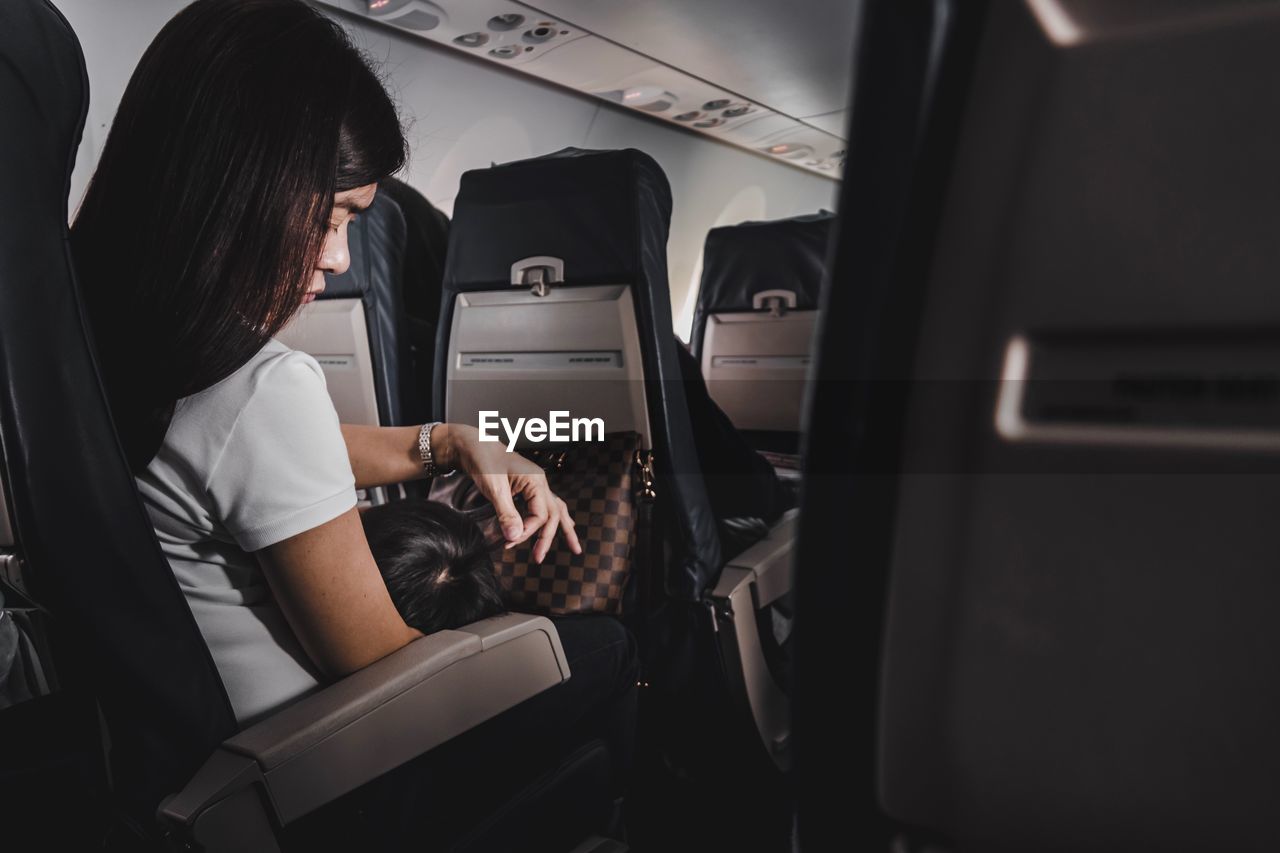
(437, 797)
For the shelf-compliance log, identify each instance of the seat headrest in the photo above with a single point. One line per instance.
(592, 208)
(44, 91)
(739, 261)
(426, 244)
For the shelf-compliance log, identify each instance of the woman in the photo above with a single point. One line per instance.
(249, 137)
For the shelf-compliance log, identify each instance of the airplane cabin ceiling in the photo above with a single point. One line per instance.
(755, 75)
(795, 58)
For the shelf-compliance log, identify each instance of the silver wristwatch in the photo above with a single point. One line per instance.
(424, 450)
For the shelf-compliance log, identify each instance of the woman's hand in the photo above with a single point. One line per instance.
(500, 475)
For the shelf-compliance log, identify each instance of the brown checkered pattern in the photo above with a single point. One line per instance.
(595, 480)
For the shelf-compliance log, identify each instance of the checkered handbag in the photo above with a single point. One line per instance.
(608, 487)
(598, 482)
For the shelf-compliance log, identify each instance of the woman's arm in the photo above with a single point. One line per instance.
(381, 456)
(333, 596)
(325, 578)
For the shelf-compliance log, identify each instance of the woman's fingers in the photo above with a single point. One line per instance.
(544, 511)
(498, 489)
(560, 520)
(537, 517)
(548, 536)
(566, 524)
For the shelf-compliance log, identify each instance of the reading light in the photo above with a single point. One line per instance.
(789, 150)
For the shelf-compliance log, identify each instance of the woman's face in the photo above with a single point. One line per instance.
(334, 255)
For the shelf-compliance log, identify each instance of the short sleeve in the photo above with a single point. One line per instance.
(284, 468)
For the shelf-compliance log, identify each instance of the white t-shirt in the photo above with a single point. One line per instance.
(252, 460)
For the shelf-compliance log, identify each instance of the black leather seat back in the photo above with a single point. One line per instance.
(426, 244)
(606, 215)
(754, 324)
(82, 529)
(868, 314)
(1058, 446)
(743, 260)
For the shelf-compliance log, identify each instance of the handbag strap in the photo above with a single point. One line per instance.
(646, 544)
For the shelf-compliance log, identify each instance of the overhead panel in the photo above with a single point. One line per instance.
(521, 38)
(794, 58)
(804, 146)
(764, 126)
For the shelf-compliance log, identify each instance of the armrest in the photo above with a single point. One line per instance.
(757, 577)
(340, 737)
(767, 564)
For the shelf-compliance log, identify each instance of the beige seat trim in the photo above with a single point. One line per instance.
(574, 349)
(756, 366)
(333, 332)
(334, 740)
(754, 579)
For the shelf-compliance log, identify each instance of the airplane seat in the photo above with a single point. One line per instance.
(556, 298)
(373, 327)
(754, 322)
(26, 661)
(426, 242)
(397, 262)
(180, 766)
(356, 327)
(1043, 446)
(377, 242)
(50, 750)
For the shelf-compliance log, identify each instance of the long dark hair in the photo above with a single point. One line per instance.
(200, 230)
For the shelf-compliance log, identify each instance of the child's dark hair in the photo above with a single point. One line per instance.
(435, 562)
